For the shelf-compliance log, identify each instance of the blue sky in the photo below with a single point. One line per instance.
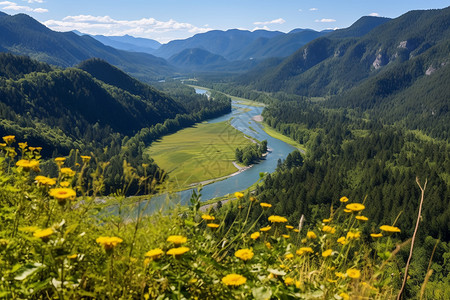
(166, 20)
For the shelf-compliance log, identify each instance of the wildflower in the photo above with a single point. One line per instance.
(304, 250)
(265, 205)
(277, 219)
(342, 240)
(353, 273)
(311, 235)
(154, 253)
(328, 229)
(9, 139)
(85, 158)
(238, 195)
(340, 274)
(61, 194)
(327, 253)
(43, 233)
(326, 220)
(355, 206)
(2, 145)
(73, 256)
(234, 279)
(208, 217)
(286, 236)
(23, 145)
(362, 218)
(344, 296)
(177, 251)
(353, 235)
(348, 210)
(252, 199)
(60, 160)
(264, 229)
(288, 281)
(45, 180)
(64, 184)
(177, 239)
(376, 235)
(296, 230)
(244, 254)
(343, 199)
(68, 172)
(389, 228)
(28, 164)
(268, 245)
(289, 227)
(212, 225)
(289, 256)
(255, 235)
(108, 242)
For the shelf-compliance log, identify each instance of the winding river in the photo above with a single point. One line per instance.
(241, 118)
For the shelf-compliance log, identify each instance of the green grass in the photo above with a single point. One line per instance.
(203, 152)
(275, 134)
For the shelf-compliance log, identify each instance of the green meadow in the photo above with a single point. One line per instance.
(195, 154)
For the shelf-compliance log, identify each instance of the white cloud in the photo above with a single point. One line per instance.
(277, 21)
(34, 1)
(374, 14)
(313, 9)
(105, 25)
(325, 21)
(260, 28)
(300, 9)
(7, 5)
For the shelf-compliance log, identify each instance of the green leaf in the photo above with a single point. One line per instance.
(261, 292)
(28, 270)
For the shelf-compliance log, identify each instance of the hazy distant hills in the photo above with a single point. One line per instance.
(129, 43)
(21, 34)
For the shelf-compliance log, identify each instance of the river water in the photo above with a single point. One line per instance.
(241, 119)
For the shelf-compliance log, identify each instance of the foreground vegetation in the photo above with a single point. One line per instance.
(56, 242)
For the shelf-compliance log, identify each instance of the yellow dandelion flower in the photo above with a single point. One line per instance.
(327, 253)
(45, 180)
(62, 193)
(343, 199)
(328, 229)
(353, 273)
(296, 230)
(288, 281)
(268, 245)
(177, 239)
(60, 159)
(85, 158)
(289, 256)
(342, 240)
(212, 225)
(73, 256)
(348, 210)
(208, 217)
(361, 218)
(68, 172)
(389, 228)
(277, 219)
(340, 274)
(264, 229)
(376, 235)
(326, 220)
(28, 164)
(238, 195)
(286, 236)
(244, 254)
(234, 279)
(9, 139)
(23, 145)
(43, 233)
(252, 199)
(154, 253)
(108, 242)
(2, 145)
(177, 251)
(353, 235)
(265, 205)
(355, 206)
(289, 227)
(64, 184)
(311, 235)
(255, 235)
(304, 250)
(344, 296)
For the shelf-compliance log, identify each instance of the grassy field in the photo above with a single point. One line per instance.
(198, 153)
(275, 134)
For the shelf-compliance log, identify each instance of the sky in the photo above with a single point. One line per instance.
(167, 20)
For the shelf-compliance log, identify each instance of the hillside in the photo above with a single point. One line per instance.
(129, 43)
(20, 34)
